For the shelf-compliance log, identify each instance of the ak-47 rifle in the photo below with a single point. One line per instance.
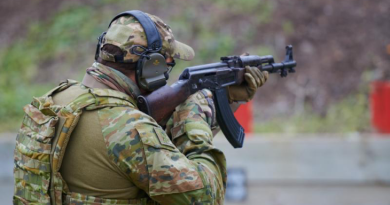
(161, 103)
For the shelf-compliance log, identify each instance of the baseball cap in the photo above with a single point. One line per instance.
(126, 32)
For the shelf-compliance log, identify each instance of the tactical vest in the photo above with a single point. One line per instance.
(41, 145)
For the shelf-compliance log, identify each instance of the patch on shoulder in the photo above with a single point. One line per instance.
(163, 138)
(154, 136)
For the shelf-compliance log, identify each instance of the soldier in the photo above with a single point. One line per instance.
(84, 143)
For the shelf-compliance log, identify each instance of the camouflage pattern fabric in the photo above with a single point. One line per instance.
(126, 32)
(38, 154)
(176, 166)
(113, 79)
(188, 170)
(78, 199)
(32, 169)
(198, 107)
(93, 99)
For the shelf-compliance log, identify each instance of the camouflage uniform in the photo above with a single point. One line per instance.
(91, 145)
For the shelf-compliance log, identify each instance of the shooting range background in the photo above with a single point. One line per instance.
(341, 47)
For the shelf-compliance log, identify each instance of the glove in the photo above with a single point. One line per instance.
(254, 79)
(198, 108)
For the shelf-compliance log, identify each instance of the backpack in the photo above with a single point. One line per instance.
(42, 139)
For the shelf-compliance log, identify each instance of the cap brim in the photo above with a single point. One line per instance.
(182, 51)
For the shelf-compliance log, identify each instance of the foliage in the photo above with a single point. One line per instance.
(60, 39)
(349, 115)
(62, 46)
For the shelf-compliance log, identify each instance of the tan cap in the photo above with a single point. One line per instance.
(126, 32)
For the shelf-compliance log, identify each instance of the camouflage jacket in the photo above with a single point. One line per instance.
(188, 170)
(120, 155)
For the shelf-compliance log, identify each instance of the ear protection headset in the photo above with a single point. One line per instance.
(152, 71)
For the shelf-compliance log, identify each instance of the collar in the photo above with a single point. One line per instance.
(101, 76)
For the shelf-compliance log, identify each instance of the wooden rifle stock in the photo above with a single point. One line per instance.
(161, 103)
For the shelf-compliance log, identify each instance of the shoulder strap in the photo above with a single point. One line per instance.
(93, 99)
(62, 86)
(70, 114)
(45, 102)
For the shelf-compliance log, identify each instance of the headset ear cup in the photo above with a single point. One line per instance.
(152, 72)
(152, 69)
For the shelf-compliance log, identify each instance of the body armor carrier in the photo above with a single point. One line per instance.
(41, 145)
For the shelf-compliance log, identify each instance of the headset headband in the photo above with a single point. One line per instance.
(152, 34)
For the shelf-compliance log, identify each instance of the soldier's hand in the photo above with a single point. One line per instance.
(254, 79)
